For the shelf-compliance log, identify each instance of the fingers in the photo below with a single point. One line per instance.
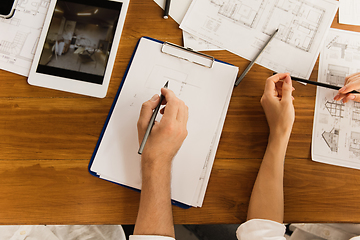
(349, 97)
(171, 103)
(272, 85)
(287, 89)
(147, 110)
(352, 84)
(351, 76)
(175, 108)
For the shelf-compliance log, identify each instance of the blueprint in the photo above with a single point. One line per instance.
(20, 34)
(336, 130)
(243, 27)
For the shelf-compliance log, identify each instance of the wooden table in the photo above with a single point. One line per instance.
(47, 138)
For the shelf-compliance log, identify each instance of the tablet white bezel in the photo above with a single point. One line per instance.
(71, 85)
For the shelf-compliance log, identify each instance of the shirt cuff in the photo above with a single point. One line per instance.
(261, 229)
(149, 237)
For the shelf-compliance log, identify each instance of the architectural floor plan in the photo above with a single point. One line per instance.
(243, 12)
(243, 27)
(336, 131)
(298, 22)
(20, 34)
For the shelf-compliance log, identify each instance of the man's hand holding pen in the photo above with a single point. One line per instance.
(167, 135)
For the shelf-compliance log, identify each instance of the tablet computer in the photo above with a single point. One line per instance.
(78, 45)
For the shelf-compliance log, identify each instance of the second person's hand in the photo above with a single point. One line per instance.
(277, 102)
(352, 82)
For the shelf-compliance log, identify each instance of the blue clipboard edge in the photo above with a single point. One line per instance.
(175, 203)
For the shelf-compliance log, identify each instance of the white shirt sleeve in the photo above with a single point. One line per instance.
(149, 237)
(261, 229)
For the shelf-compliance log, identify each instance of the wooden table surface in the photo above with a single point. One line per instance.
(47, 138)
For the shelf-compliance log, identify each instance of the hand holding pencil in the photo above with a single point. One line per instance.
(352, 82)
(166, 136)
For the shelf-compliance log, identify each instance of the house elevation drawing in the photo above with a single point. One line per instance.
(298, 22)
(336, 109)
(332, 139)
(340, 57)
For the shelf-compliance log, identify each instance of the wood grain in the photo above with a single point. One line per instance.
(47, 138)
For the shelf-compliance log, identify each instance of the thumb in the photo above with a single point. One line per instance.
(287, 89)
(354, 97)
(357, 97)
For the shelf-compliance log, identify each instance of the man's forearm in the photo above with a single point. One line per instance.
(267, 198)
(155, 211)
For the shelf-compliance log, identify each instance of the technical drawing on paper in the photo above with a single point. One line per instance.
(332, 139)
(349, 50)
(20, 35)
(334, 43)
(298, 22)
(355, 117)
(336, 74)
(354, 145)
(340, 56)
(197, 44)
(32, 7)
(241, 11)
(177, 80)
(14, 47)
(336, 109)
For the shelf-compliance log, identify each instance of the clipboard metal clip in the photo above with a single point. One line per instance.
(188, 54)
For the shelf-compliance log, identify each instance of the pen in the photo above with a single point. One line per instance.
(247, 69)
(321, 84)
(152, 121)
(167, 8)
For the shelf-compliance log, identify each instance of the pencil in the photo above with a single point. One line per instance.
(152, 121)
(167, 9)
(320, 84)
(247, 69)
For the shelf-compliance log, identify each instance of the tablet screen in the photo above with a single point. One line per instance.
(79, 38)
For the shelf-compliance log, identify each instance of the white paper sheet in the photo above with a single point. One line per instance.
(198, 44)
(349, 12)
(243, 27)
(20, 34)
(177, 10)
(336, 129)
(206, 91)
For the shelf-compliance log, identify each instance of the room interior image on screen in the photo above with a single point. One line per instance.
(78, 40)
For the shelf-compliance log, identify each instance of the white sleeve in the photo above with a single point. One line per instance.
(261, 229)
(149, 237)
